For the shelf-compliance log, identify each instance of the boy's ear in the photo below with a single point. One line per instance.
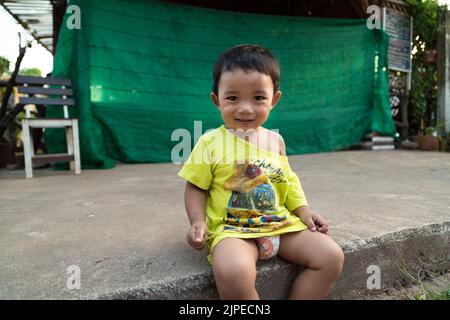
(276, 97)
(215, 99)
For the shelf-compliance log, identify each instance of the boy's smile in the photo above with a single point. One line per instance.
(245, 98)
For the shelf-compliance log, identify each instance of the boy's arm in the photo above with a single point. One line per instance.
(195, 201)
(313, 220)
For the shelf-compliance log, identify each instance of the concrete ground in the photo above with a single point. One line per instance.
(125, 228)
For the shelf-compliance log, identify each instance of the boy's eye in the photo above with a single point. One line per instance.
(260, 98)
(231, 98)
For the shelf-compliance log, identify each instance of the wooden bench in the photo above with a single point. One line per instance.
(37, 91)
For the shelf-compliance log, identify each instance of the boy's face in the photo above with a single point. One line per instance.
(245, 98)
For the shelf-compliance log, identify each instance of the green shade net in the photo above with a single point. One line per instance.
(142, 69)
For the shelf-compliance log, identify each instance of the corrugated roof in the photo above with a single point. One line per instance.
(36, 16)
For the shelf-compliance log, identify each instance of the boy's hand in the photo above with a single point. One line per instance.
(196, 236)
(312, 219)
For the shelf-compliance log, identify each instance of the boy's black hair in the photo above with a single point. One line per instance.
(248, 58)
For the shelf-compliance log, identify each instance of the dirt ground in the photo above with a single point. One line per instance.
(438, 284)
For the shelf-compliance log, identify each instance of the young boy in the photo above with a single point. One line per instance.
(246, 203)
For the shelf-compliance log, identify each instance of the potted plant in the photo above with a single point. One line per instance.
(430, 55)
(433, 138)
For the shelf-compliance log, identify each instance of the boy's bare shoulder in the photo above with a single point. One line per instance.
(275, 136)
(282, 144)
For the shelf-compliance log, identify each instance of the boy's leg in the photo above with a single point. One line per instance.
(234, 267)
(322, 257)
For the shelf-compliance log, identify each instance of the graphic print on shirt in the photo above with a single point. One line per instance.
(252, 206)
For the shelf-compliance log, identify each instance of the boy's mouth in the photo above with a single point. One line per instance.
(244, 120)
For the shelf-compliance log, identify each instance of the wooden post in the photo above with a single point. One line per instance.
(59, 8)
(443, 72)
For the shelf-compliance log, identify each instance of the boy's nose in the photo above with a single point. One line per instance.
(245, 108)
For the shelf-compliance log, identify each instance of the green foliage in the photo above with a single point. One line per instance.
(31, 72)
(4, 65)
(438, 129)
(427, 293)
(4, 70)
(14, 128)
(425, 15)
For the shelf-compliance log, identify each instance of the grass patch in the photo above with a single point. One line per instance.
(425, 292)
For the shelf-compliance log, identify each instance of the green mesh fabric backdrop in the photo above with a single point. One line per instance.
(141, 69)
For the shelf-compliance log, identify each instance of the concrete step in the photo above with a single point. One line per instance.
(125, 228)
(422, 250)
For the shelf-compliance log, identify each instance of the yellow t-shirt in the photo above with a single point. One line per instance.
(251, 191)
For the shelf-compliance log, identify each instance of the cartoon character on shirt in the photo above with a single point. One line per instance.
(252, 203)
